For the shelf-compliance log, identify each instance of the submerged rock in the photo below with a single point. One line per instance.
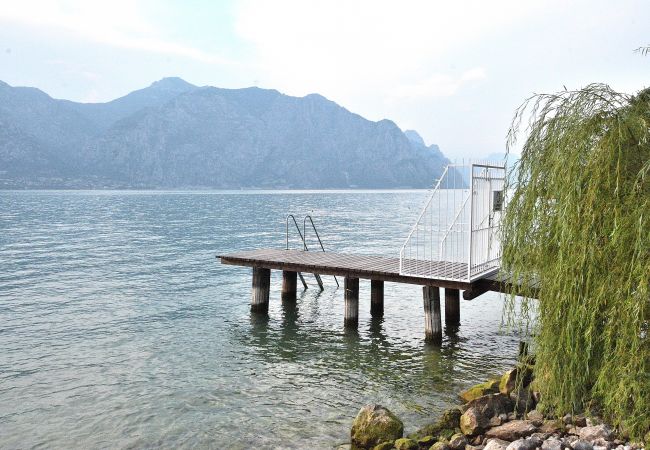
(439, 446)
(374, 425)
(445, 426)
(406, 444)
(426, 441)
(383, 446)
(489, 387)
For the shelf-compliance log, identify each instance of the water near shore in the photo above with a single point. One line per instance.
(118, 328)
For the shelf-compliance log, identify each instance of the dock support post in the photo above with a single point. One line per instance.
(351, 316)
(261, 289)
(289, 285)
(452, 307)
(377, 298)
(432, 319)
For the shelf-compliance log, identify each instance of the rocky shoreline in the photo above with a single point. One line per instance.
(499, 414)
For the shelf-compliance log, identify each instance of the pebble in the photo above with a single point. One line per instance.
(582, 445)
(552, 444)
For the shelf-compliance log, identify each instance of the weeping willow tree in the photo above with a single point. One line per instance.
(577, 235)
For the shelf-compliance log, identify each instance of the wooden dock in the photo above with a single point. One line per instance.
(378, 269)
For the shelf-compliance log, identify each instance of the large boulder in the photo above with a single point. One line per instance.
(520, 376)
(476, 417)
(511, 431)
(479, 390)
(373, 425)
(444, 427)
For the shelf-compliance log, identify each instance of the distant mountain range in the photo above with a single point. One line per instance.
(173, 134)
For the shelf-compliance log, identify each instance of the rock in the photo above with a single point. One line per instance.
(600, 442)
(536, 417)
(592, 433)
(458, 441)
(599, 447)
(496, 444)
(479, 412)
(508, 382)
(439, 446)
(374, 425)
(474, 447)
(582, 445)
(569, 440)
(512, 416)
(579, 420)
(477, 440)
(541, 436)
(551, 426)
(447, 425)
(594, 420)
(512, 430)
(522, 444)
(567, 419)
(426, 441)
(406, 444)
(503, 417)
(552, 444)
(495, 421)
(523, 400)
(384, 446)
(489, 387)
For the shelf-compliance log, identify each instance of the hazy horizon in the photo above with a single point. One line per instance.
(441, 68)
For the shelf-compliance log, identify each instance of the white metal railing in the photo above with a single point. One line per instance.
(456, 236)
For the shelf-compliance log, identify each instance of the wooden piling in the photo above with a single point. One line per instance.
(261, 289)
(351, 288)
(432, 319)
(376, 298)
(452, 307)
(289, 285)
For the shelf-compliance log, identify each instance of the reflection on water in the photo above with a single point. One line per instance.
(118, 327)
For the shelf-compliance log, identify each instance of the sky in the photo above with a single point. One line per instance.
(455, 71)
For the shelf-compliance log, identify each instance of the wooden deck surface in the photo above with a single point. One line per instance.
(366, 267)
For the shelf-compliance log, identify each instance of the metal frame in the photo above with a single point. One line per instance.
(449, 240)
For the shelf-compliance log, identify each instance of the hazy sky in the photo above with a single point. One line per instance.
(453, 70)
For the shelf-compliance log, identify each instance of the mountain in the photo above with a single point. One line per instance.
(173, 134)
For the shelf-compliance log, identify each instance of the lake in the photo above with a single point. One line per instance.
(120, 329)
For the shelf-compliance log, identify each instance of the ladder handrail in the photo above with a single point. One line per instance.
(304, 233)
(302, 279)
(297, 228)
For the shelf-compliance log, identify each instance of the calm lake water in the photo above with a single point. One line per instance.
(120, 329)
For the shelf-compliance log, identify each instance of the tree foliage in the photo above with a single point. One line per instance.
(577, 234)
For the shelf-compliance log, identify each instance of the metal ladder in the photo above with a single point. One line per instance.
(303, 237)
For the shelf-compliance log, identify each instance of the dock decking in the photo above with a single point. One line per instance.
(378, 269)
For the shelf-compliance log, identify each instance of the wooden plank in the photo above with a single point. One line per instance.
(350, 265)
